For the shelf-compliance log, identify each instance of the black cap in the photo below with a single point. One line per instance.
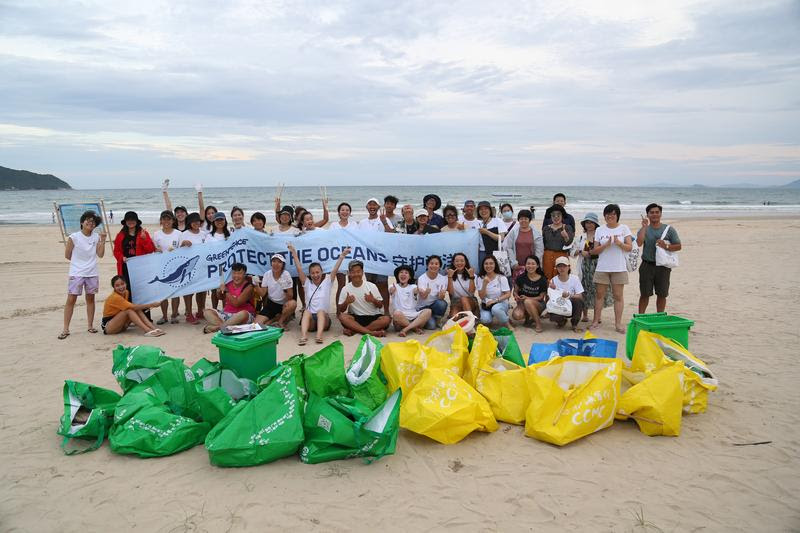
(287, 209)
(436, 198)
(181, 208)
(131, 215)
(407, 269)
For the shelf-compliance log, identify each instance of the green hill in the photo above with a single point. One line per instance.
(20, 180)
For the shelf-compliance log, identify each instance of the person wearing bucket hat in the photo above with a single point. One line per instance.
(131, 241)
(586, 263)
(431, 203)
(405, 314)
(82, 250)
(423, 227)
(557, 239)
(570, 287)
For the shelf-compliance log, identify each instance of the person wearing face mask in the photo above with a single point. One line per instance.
(559, 199)
(523, 240)
(507, 216)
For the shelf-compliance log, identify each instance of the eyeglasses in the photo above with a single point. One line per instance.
(449, 215)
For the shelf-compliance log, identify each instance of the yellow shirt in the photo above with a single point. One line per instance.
(116, 303)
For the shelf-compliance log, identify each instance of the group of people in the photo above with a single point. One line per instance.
(518, 265)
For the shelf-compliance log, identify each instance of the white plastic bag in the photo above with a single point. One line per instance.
(665, 258)
(557, 304)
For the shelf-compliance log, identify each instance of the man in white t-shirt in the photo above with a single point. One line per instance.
(389, 205)
(277, 294)
(469, 219)
(83, 249)
(377, 222)
(360, 305)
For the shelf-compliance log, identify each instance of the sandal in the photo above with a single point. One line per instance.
(318, 340)
(302, 341)
(154, 333)
(92, 330)
(63, 335)
(162, 321)
(174, 320)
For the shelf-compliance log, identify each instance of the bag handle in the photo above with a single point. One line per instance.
(96, 444)
(665, 232)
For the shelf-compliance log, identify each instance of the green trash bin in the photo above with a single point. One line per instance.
(670, 326)
(249, 355)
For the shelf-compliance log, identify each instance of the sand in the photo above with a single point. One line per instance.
(738, 282)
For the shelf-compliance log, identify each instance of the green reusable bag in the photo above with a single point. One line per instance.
(135, 364)
(174, 385)
(145, 426)
(262, 430)
(507, 346)
(296, 363)
(341, 428)
(364, 373)
(88, 414)
(218, 390)
(324, 372)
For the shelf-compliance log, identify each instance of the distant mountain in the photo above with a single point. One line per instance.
(22, 180)
(793, 185)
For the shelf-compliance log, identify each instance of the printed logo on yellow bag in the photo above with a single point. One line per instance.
(572, 397)
(403, 363)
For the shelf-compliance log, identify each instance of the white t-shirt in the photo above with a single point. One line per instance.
(373, 224)
(291, 231)
(215, 237)
(436, 285)
(612, 259)
(461, 286)
(84, 255)
(405, 301)
(167, 242)
(573, 285)
(393, 219)
(276, 288)
(475, 223)
(350, 225)
(494, 289)
(361, 306)
(318, 297)
(194, 238)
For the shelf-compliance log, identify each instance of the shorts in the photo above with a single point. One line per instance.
(610, 278)
(540, 305)
(365, 320)
(270, 309)
(314, 322)
(224, 315)
(104, 321)
(76, 284)
(377, 278)
(653, 277)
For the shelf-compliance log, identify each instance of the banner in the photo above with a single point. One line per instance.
(155, 277)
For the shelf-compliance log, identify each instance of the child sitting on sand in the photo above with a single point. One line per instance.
(237, 297)
(317, 288)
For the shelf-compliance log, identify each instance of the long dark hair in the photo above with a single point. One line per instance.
(225, 230)
(209, 225)
(299, 211)
(538, 264)
(464, 273)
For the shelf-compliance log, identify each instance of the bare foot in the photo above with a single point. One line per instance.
(619, 329)
(347, 332)
(539, 329)
(418, 331)
(379, 333)
(402, 333)
(576, 329)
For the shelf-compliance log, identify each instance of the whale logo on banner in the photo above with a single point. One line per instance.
(181, 275)
(200, 267)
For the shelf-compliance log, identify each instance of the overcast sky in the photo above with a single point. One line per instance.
(122, 94)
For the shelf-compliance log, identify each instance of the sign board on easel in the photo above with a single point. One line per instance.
(69, 218)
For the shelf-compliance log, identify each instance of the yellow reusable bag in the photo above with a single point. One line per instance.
(572, 397)
(484, 351)
(453, 343)
(504, 385)
(443, 407)
(652, 351)
(402, 363)
(656, 402)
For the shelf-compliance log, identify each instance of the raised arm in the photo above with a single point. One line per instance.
(165, 193)
(297, 264)
(324, 221)
(101, 245)
(200, 204)
(338, 264)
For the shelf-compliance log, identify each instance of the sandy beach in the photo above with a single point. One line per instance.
(738, 281)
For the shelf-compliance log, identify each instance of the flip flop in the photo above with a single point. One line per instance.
(318, 340)
(154, 333)
(174, 320)
(92, 330)
(302, 342)
(161, 321)
(63, 335)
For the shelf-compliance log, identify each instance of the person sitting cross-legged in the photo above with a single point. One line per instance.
(360, 306)
(237, 297)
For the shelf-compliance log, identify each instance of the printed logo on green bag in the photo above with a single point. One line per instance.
(324, 423)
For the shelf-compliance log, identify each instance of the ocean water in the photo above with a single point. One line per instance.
(36, 207)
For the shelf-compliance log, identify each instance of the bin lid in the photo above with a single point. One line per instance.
(246, 341)
(653, 319)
